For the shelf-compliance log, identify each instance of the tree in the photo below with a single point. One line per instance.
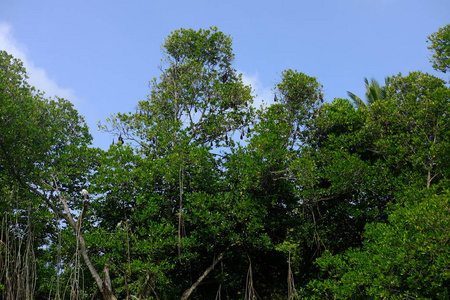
(411, 130)
(355, 161)
(404, 258)
(374, 92)
(339, 185)
(172, 189)
(399, 145)
(440, 46)
(263, 171)
(44, 154)
(320, 200)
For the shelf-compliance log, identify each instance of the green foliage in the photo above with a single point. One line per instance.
(404, 258)
(199, 99)
(170, 188)
(48, 133)
(345, 200)
(301, 95)
(338, 186)
(440, 45)
(43, 149)
(374, 92)
(411, 127)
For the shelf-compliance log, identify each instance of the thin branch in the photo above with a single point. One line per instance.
(189, 291)
(105, 289)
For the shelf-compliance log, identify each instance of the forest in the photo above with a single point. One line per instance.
(202, 195)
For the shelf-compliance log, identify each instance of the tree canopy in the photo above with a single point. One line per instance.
(440, 45)
(204, 196)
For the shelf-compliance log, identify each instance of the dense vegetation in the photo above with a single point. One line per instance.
(203, 196)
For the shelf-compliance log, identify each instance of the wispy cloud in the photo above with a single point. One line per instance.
(38, 77)
(263, 95)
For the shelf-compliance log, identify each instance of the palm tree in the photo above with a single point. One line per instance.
(374, 92)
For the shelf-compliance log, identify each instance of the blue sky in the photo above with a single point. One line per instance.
(101, 54)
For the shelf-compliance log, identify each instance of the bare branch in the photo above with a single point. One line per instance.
(189, 291)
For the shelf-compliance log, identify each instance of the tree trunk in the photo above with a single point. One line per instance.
(103, 285)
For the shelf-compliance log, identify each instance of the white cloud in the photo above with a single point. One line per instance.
(263, 95)
(37, 76)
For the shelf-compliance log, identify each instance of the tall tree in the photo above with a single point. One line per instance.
(402, 157)
(411, 128)
(171, 187)
(262, 172)
(43, 151)
(406, 258)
